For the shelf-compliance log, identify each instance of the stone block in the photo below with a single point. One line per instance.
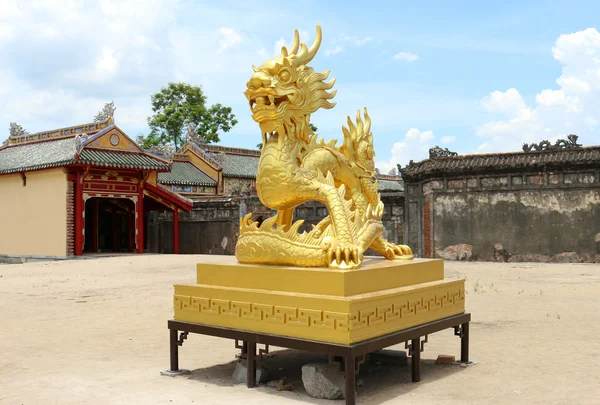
(566, 257)
(445, 359)
(389, 357)
(323, 380)
(460, 252)
(240, 374)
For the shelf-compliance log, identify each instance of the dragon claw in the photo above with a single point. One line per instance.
(401, 252)
(344, 256)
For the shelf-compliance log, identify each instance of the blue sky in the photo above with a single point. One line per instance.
(476, 77)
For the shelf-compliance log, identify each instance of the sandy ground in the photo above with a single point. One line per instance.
(94, 332)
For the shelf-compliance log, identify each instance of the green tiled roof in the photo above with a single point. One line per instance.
(61, 152)
(121, 160)
(38, 155)
(238, 165)
(185, 173)
(390, 185)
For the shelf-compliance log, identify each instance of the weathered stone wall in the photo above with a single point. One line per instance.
(213, 225)
(545, 216)
(234, 185)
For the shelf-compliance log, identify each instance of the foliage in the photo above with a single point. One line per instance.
(393, 171)
(180, 104)
(163, 149)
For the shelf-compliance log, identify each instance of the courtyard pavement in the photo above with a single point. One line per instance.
(95, 332)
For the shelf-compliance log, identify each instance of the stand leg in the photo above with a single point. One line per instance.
(350, 377)
(250, 366)
(464, 343)
(174, 350)
(416, 359)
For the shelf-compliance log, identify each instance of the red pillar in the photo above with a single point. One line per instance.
(176, 231)
(79, 222)
(140, 222)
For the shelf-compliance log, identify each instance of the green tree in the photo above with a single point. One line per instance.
(310, 124)
(179, 105)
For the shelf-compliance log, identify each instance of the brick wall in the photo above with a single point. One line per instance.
(70, 217)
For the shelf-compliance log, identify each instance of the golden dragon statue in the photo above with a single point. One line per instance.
(296, 167)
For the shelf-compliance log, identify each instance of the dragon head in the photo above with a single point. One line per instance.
(284, 91)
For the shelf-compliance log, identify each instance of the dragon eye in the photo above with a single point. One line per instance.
(284, 75)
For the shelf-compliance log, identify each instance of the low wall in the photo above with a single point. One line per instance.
(212, 227)
(540, 217)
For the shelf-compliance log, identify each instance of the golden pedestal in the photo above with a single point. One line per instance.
(336, 306)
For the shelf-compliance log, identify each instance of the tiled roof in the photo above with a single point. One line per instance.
(38, 155)
(185, 173)
(121, 159)
(237, 162)
(503, 162)
(389, 185)
(61, 152)
(234, 165)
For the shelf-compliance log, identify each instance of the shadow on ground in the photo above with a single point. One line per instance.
(380, 382)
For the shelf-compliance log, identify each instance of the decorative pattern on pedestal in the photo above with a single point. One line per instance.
(338, 306)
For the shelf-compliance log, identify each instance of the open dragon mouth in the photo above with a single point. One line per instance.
(266, 104)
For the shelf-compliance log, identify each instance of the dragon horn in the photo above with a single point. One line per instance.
(305, 55)
(296, 43)
(284, 52)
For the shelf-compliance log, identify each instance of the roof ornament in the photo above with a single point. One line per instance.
(107, 113)
(79, 140)
(571, 143)
(17, 130)
(403, 170)
(437, 152)
(193, 136)
(165, 150)
(219, 157)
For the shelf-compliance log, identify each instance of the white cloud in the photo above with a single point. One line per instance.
(339, 44)
(556, 112)
(447, 139)
(558, 98)
(107, 63)
(355, 40)
(406, 56)
(415, 146)
(590, 121)
(6, 32)
(280, 43)
(228, 39)
(573, 85)
(333, 51)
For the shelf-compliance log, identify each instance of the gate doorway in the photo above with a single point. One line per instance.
(109, 225)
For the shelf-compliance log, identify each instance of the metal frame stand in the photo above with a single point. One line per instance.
(349, 353)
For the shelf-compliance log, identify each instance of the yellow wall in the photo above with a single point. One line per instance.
(34, 218)
(153, 178)
(201, 163)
